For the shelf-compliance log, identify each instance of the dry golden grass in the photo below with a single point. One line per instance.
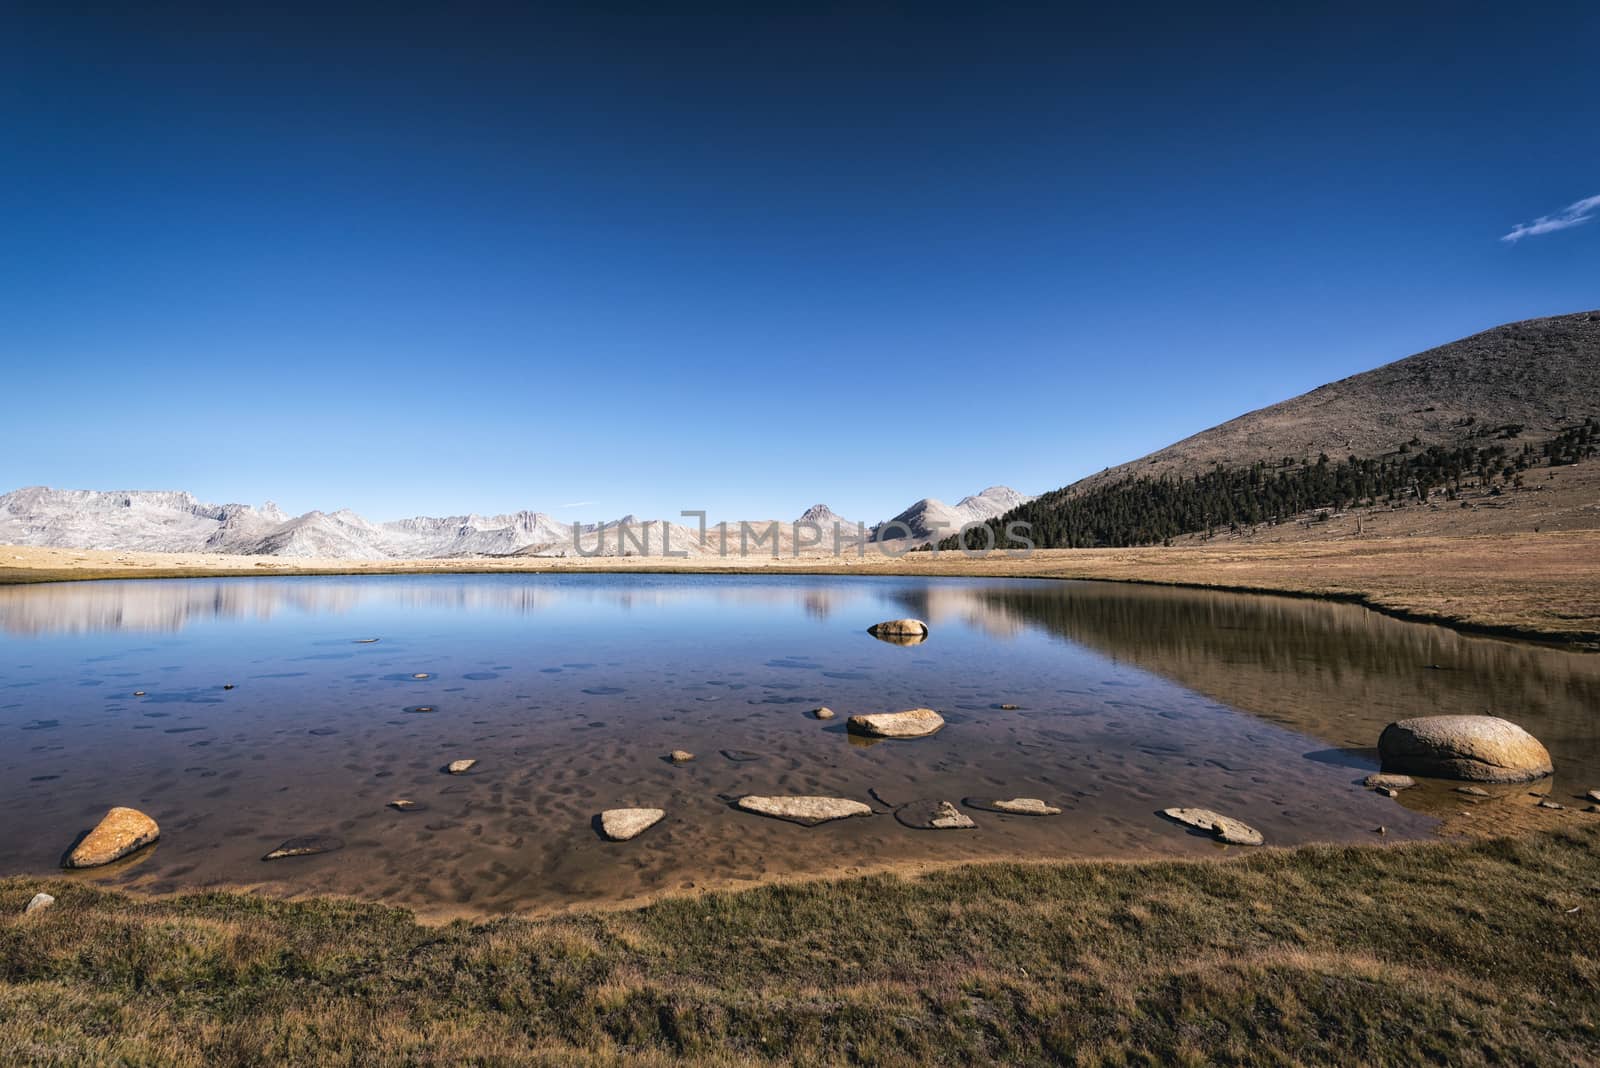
(1461, 953)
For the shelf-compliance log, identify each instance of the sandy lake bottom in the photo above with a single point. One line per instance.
(570, 690)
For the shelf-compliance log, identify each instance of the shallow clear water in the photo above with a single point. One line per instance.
(570, 691)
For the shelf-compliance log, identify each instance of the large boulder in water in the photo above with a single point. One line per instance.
(122, 831)
(1476, 748)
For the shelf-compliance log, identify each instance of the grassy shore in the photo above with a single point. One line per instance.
(1459, 952)
(1530, 585)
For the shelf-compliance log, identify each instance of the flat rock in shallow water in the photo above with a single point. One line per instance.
(823, 713)
(460, 767)
(916, 723)
(1226, 828)
(122, 831)
(309, 846)
(40, 901)
(1026, 806)
(806, 810)
(621, 824)
(934, 816)
(1380, 781)
(680, 756)
(1476, 748)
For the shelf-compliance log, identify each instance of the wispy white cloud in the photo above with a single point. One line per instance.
(579, 504)
(1572, 215)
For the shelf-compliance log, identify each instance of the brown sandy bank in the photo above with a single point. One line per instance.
(1531, 585)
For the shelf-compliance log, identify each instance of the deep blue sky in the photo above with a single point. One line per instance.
(747, 262)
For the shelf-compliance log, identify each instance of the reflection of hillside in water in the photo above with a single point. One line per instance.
(1335, 671)
(162, 605)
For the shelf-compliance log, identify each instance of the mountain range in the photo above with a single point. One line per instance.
(172, 521)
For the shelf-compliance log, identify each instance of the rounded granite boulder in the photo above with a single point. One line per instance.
(1474, 748)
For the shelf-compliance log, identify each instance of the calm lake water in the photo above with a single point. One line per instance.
(571, 690)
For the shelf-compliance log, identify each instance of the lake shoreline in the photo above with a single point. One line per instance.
(1529, 587)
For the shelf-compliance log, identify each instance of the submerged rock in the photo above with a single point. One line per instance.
(916, 723)
(120, 832)
(621, 824)
(680, 756)
(823, 713)
(404, 804)
(460, 767)
(308, 846)
(934, 816)
(1474, 791)
(1379, 781)
(39, 901)
(1226, 828)
(1026, 806)
(1477, 748)
(806, 810)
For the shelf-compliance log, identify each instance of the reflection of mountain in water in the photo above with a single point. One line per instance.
(1335, 671)
(170, 605)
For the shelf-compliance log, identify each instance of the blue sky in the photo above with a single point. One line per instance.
(750, 261)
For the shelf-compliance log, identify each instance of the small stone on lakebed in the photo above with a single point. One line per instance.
(120, 832)
(915, 723)
(307, 846)
(680, 756)
(823, 713)
(806, 810)
(403, 804)
(460, 767)
(621, 824)
(1026, 806)
(1379, 780)
(1225, 828)
(934, 816)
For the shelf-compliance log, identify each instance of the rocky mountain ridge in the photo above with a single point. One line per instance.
(175, 521)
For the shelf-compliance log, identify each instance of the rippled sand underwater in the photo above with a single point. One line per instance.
(570, 691)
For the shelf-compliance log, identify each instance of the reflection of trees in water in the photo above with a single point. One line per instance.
(1336, 671)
